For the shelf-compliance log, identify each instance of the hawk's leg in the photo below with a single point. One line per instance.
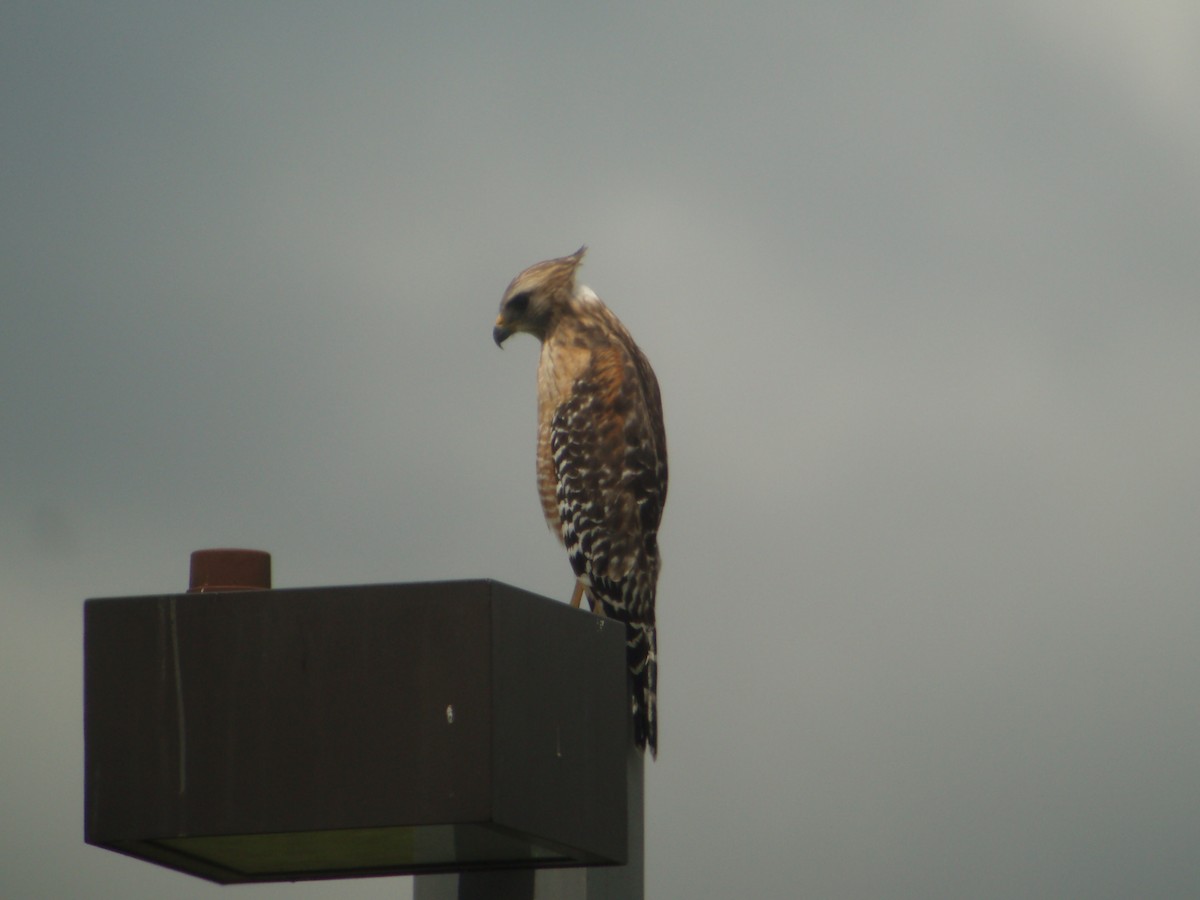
(578, 595)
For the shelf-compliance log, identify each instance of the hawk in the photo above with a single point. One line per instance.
(601, 457)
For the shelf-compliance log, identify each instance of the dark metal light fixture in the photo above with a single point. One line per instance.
(285, 735)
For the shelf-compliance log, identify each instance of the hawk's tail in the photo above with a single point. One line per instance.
(643, 664)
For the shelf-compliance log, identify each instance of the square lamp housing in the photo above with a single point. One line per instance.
(286, 735)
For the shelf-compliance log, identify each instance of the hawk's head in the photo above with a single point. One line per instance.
(535, 296)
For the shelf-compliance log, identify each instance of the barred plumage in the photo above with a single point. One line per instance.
(602, 457)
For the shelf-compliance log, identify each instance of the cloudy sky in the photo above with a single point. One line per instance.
(921, 283)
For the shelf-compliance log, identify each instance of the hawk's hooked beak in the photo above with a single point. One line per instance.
(500, 334)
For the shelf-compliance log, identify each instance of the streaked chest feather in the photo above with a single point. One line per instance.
(563, 360)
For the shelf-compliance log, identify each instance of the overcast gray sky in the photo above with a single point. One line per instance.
(920, 283)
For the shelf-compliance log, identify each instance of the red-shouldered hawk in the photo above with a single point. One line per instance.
(601, 456)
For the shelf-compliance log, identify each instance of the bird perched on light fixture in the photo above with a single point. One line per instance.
(601, 457)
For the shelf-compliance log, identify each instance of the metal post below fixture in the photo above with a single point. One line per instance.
(595, 883)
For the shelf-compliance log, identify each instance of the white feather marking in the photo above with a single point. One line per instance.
(586, 294)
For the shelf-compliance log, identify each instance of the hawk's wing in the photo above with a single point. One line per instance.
(609, 452)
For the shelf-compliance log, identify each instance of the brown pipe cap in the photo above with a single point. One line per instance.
(229, 570)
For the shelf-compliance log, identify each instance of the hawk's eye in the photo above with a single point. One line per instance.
(519, 303)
